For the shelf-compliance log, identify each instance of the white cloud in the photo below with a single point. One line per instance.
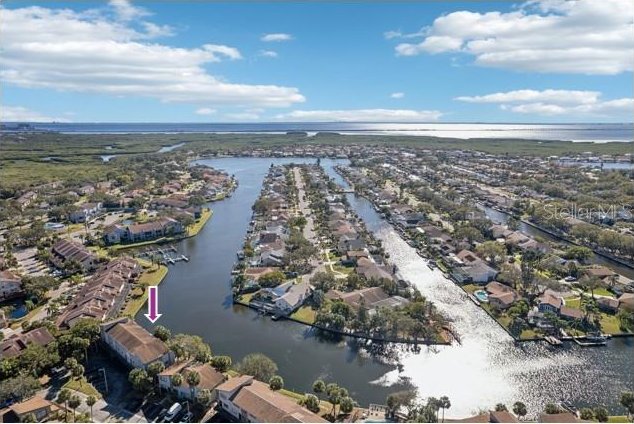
(90, 52)
(550, 96)
(242, 116)
(363, 115)
(279, 36)
(126, 11)
(556, 103)
(397, 95)
(267, 53)
(22, 114)
(559, 36)
(205, 111)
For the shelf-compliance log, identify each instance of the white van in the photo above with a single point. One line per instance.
(172, 412)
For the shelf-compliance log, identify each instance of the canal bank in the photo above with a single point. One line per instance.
(486, 368)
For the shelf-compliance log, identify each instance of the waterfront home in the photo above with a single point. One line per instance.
(548, 302)
(253, 274)
(571, 314)
(250, 400)
(65, 251)
(608, 305)
(209, 379)
(15, 345)
(286, 297)
(103, 295)
(85, 212)
(488, 417)
(369, 298)
(134, 233)
(347, 243)
(626, 301)
(10, 285)
(501, 296)
(473, 268)
(37, 406)
(603, 273)
(134, 345)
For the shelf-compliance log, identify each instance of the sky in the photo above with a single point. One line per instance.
(122, 61)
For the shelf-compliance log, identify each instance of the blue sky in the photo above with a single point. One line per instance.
(550, 61)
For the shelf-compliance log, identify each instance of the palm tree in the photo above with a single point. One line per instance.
(176, 380)
(74, 402)
(63, 397)
(319, 387)
(519, 409)
(90, 401)
(193, 379)
(444, 403)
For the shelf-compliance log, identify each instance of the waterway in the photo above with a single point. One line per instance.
(487, 368)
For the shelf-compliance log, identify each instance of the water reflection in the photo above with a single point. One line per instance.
(486, 369)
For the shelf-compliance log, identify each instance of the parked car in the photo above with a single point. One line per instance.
(172, 412)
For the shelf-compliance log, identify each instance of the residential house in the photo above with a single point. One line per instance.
(134, 233)
(134, 345)
(250, 400)
(608, 305)
(16, 344)
(500, 295)
(209, 379)
(286, 297)
(10, 285)
(37, 406)
(473, 267)
(626, 301)
(85, 212)
(103, 295)
(548, 302)
(66, 250)
(26, 199)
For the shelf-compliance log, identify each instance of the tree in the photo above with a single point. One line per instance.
(276, 382)
(491, 250)
(334, 397)
(74, 403)
(90, 401)
(176, 380)
(139, 379)
(18, 388)
(586, 414)
(519, 409)
(154, 369)
(193, 379)
(162, 333)
(403, 398)
(272, 279)
(551, 408)
(346, 405)
(319, 387)
(311, 402)
(627, 400)
(78, 372)
(204, 398)
(221, 363)
(601, 414)
(64, 397)
(444, 403)
(186, 346)
(501, 407)
(258, 365)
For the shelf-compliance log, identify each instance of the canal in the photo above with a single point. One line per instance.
(487, 368)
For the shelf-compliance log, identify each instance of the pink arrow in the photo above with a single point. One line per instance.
(152, 305)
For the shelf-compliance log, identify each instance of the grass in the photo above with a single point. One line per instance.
(610, 324)
(141, 243)
(83, 386)
(528, 334)
(195, 229)
(305, 314)
(573, 302)
(618, 419)
(471, 288)
(246, 298)
(151, 277)
(28, 316)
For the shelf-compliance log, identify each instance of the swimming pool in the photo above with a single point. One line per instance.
(481, 295)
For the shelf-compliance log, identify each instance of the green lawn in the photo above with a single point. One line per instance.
(618, 419)
(610, 324)
(246, 298)
(150, 277)
(470, 288)
(82, 385)
(305, 314)
(573, 302)
(195, 229)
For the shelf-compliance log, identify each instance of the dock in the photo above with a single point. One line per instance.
(553, 341)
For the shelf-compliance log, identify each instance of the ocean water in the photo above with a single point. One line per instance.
(598, 133)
